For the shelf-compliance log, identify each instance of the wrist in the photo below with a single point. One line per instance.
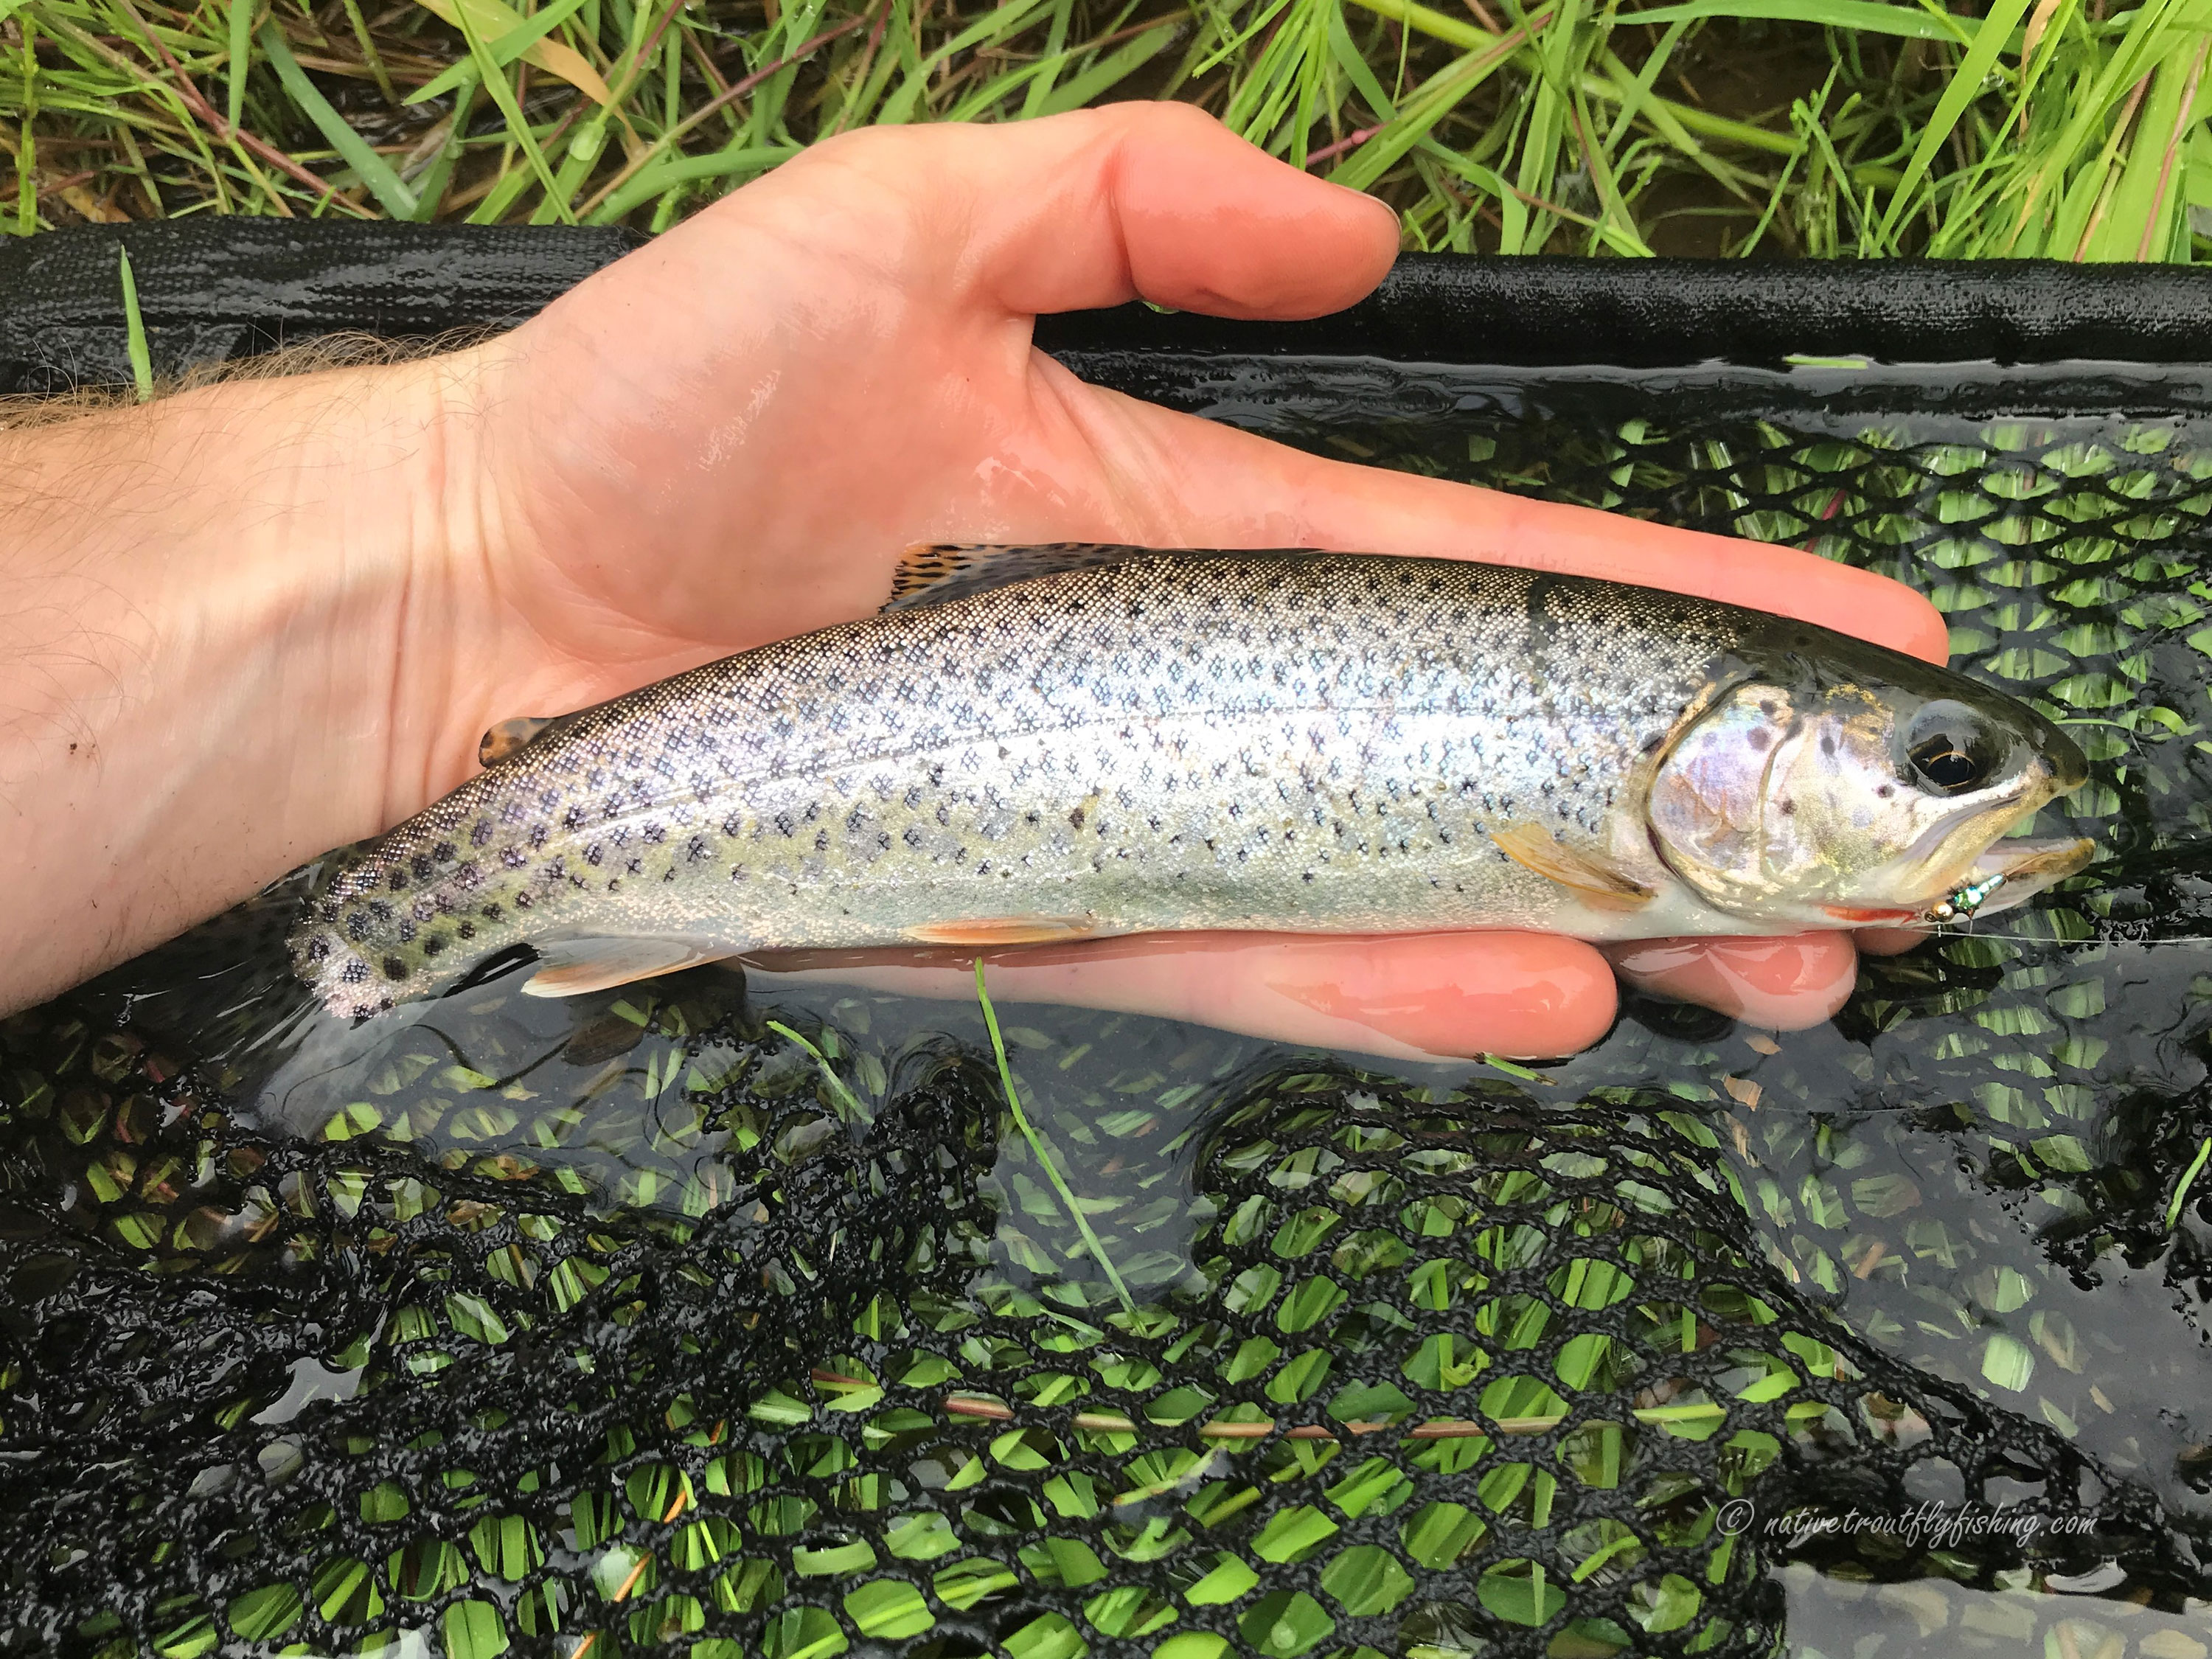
(214, 615)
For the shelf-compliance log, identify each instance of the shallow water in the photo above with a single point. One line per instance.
(633, 1315)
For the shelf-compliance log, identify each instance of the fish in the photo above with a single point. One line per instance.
(1070, 742)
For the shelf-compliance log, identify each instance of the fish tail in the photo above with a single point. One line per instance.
(225, 992)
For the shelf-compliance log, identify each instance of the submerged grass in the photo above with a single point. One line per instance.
(1042, 1153)
(2063, 128)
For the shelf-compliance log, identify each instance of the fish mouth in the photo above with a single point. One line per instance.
(2010, 873)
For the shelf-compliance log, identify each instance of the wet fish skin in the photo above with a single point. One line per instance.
(1280, 741)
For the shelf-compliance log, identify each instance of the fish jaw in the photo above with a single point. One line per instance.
(2027, 867)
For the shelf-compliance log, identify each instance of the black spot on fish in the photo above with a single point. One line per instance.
(1075, 818)
(732, 825)
(353, 972)
(783, 822)
(1787, 808)
(482, 833)
(593, 854)
(467, 930)
(572, 819)
(514, 858)
(356, 927)
(1827, 743)
(443, 852)
(1766, 708)
(318, 947)
(821, 840)
(1886, 791)
(394, 968)
(538, 836)
(656, 833)
(434, 946)
(1760, 738)
(912, 837)
(397, 880)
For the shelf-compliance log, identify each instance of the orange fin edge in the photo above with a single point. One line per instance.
(573, 968)
(989, 931)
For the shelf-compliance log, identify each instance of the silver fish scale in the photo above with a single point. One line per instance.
(1302, 742)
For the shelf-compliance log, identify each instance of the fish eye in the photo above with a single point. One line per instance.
(1952, 749)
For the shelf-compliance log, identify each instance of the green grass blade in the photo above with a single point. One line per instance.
(748, 160)
(504, 50)
(849, 1101)
(2004, 18)
(1055, 45)
(134, 328)
(26, 151)
(1109, 72)
(2188, 1180)
(241, 40)
(2146, 205)
(371, 169)
(431, 194)
(903, 103)
(1044, 1153)
(503, 93)
(1859, 16)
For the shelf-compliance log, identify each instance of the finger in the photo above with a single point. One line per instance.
(1406, 996)
(1784, 984)
(1888, 941)
(1100, 207)
(1209, 485)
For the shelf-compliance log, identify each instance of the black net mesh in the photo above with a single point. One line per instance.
(722, 1318)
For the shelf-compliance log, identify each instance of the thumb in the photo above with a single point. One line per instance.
(1095, 208)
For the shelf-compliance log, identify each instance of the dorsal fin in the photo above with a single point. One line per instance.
(507, 738)
(931, 574)
(934, 574)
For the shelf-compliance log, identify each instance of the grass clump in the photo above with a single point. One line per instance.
(2060, 128)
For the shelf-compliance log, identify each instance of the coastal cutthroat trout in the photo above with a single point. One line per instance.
(1067, 742)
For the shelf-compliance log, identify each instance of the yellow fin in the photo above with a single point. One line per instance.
(990, 930)
(1596, 884)
(572, 967)
(508, 737)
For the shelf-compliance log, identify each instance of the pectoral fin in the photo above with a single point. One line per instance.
(988, 932)
(1595, 882)
(572, 967)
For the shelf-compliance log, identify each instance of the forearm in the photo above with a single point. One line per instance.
(206, 610)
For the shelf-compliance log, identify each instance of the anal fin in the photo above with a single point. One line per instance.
(987, 932)
(571, 967)
(1595, 882)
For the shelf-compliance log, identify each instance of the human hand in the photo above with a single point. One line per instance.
(246, 623)
(729, 436)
